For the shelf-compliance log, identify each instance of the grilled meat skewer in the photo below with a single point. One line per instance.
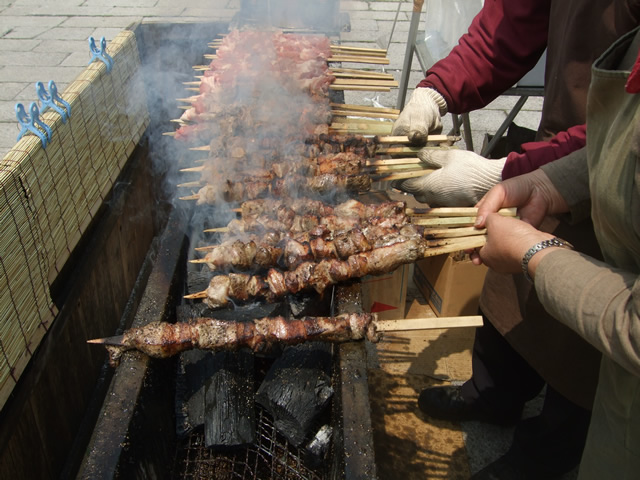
(303, 206)
(223, 289)
(307, 223)
(289, 186)
(293, 250)
(162, 340)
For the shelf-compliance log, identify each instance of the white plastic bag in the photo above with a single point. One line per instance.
(445, 22)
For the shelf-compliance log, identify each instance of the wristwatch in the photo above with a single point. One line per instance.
(553, 242)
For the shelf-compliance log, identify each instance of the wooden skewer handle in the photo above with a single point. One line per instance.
(430, 138)
(465, 212)
(427, 323)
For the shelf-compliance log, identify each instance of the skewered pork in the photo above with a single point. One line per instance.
(280, 208)
(225, 289)
(162, 340)
(290, 186)
(293, 250)
(311, 275)
(305, 223)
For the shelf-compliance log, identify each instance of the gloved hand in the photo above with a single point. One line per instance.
(421, 116)
(461, 180)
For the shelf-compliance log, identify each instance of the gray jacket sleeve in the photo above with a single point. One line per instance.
(599, 302)
(570, 175)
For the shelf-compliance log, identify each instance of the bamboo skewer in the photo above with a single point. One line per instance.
(407, 167)
(452, 247)
(201, 168)
(335, 70)
(363, 81)
(379, 128)
(358, 59)
(190, 197)
(360, 88)
(373, 60)
(404, 175)
(379, 326)
(363, 75)
(190, 185)
(369, 52)
(394, 161)
(430, 139)
(464, 212)
(362, 121)
(355, 113)
(373, 169)
(444, 236)
(361, 50)
(427, 323)
(383, 139)
(453, 232)
(397, 150)
(347, 83)
(445, 222)
(364, 108)
(434, 243)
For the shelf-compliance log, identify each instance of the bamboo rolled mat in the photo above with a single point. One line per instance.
(48, 196)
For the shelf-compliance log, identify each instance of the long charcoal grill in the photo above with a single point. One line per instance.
(135, 434)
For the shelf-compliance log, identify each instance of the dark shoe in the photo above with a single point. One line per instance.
(447, 403)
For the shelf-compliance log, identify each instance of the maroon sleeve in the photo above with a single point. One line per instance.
(536, 154)
(504, 42)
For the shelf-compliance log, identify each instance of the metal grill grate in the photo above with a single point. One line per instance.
(270, 458)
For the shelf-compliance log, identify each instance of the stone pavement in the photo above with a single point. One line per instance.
(42, 41)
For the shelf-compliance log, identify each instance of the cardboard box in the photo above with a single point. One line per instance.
(450, 283)
(386, 294)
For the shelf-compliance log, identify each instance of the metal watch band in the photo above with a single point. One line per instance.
(552, 242)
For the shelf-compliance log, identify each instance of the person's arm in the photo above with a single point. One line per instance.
(570, 177)
(462, 178)
(504, 42)
(599, 302)
(536, 154)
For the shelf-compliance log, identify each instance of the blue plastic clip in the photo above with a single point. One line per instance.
(101, 54)
(49, 99)
(31, 123)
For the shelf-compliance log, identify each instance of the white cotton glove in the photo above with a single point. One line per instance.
(461, 180)
(421, 116)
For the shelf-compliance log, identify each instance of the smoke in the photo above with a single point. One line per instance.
(248, 115)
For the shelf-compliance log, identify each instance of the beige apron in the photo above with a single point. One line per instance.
(613, 145)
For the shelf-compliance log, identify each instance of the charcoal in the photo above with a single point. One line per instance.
(229, 401)
(297, 389)
(216, 390)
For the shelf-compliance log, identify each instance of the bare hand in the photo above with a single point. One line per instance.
(508, 239)
(533, 194)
